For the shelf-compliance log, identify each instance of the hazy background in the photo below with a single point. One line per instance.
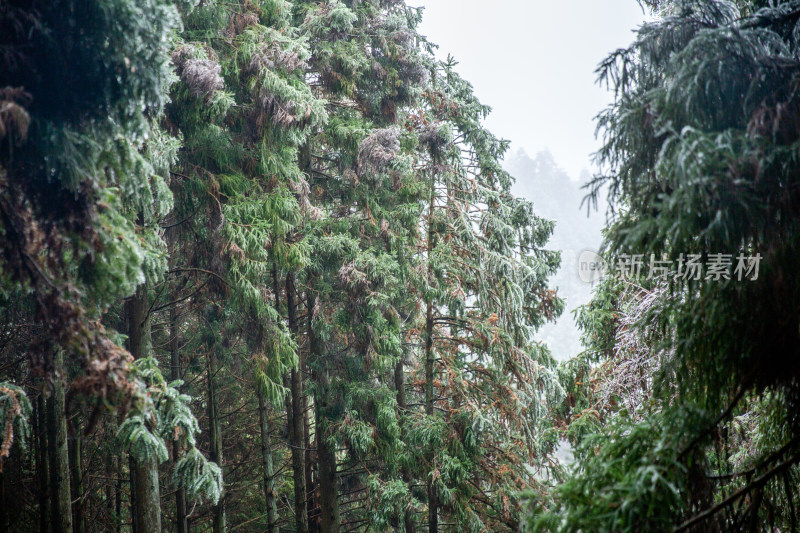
(534, 63)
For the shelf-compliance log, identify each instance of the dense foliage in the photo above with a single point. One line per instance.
(683, 408)
(261, 269)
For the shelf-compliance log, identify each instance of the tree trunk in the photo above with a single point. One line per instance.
(309, 462)
(175, 374)
(297, 419)
(41, 463)
(430, 363)
(330, 517)
(76, 475)
(400, 386)
(215, 438)
(118, 495)
(267, 464)
(4, 518)
(146, 504)
(108, 487)
(306, 166)
(60, 509)
(402, 405)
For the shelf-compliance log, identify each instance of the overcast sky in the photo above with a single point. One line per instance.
(533, 62)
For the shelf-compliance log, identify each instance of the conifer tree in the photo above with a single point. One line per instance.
(73, 122)
(367, 68)
(700, 145)
(485, 292)
(280, 202)
(82, 85)
(252, 213)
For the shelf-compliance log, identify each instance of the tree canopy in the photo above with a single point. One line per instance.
(684, 404)
(262, 269)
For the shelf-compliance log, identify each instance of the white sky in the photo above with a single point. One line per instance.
(533, 62)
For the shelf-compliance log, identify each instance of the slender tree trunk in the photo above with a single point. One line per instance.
(60, 509)
(267, 464)
(297, 424)
(330, 520)
(400, 386)
(330, 516)
(146, 504)
(276, 287)
(4, 507)
(146, 497)
(108, 488)
(76, 475)
(305, 164)
(118, 495)
(402, 405)
(175, 374)
(215, 438)
(132, 496)
(430, 364)
(311, 503)
(41, 463)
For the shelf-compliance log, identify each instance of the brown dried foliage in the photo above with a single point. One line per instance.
(202, 76)
(377, 151)
(14, 118)
(33, 253)
(8, 435)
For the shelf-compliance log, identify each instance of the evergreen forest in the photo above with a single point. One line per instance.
(263, 269)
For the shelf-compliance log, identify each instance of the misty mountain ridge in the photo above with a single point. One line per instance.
(558, 197)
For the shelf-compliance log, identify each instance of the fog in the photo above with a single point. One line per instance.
(534, 64)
